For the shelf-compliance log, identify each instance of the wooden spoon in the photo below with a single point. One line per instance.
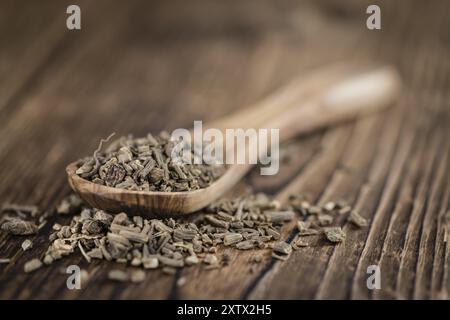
(329, 97)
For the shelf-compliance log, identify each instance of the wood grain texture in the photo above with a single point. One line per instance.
(146, 66)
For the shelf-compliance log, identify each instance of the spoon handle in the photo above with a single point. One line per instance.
(354, 96)
(301, 88)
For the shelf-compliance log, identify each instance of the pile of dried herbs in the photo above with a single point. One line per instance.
(252, 222)
(145, 164)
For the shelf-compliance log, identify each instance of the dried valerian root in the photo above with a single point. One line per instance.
(169, 271)
(356, 219)
(14, 219)
(69, 205)
(84, 277)
(211, 260)
(252, 222)
(335, 234)
(282, 250)
(32, 265)
(181, 281)
(27, 244)
(21, 219)
(146, 164)
(298, 243)
(118, 275)
(243, 223)
(137, 276)
(17, 226)
(324, 220)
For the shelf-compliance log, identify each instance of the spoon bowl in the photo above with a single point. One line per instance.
(151, 203)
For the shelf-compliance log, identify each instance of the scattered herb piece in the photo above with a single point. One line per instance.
(335, 234)
(181, 281)
(282, 248)
(118, 275)
(356, 219)
(137, 276)
(69, 205)
(32, 265)
(27, 244)
(17, 226)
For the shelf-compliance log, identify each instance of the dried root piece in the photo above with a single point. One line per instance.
(191, 260)
(299, 243)
(27, 244)
(245, 245)
(253, 222)
(137, 276)
(118, 275)
(69, 205)
(146, 164)
(357, 220)
(232, 238)
(32, 265)
(282, 248)
(335, 234)
(181, 281)
(279, 217)
(17, 226)
(169, 270)
(280, 256)
(211, 259)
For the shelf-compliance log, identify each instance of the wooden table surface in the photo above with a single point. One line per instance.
(143, 66)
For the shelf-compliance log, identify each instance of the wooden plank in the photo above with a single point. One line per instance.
(172, 66)
(312, 182)
(33, 34)
(344, 259)
(439, 283)
(326, 290)
(238, 279)
(165, 65)
(429, 230)
(54, 161)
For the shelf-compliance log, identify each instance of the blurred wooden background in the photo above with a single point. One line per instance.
(140, 66)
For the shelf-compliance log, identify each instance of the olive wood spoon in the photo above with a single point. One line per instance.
(328, 98)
